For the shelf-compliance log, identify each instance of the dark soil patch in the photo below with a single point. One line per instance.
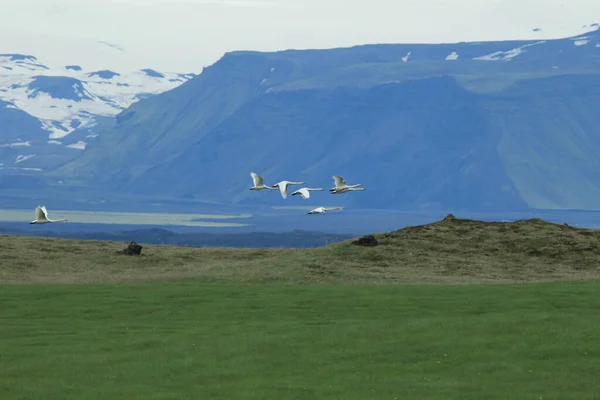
(132, 249)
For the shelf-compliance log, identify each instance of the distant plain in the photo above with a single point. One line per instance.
(129, 218)
(283, 218)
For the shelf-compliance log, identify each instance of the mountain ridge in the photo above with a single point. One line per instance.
(63, 101)
(437, 120)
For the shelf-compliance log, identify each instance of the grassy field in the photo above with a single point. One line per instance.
(192, 341)
(444, 252)
(338, 322)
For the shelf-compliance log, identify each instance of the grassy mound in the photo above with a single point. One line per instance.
(521, 250)
(452, 250)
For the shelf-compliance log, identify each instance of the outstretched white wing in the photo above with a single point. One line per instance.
(45, 212)
(339, 181)
(302, 192)
(283, 188)
(331, 208)
(257, 179)
(39, 213)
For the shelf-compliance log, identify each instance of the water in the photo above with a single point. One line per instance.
(128, 218)
(277, 219)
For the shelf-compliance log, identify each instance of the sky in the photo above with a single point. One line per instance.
(187, 35)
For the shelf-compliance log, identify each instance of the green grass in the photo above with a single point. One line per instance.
(445, 252)
(194, 341)
(337, 322)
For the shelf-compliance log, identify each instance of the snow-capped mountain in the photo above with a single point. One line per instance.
(47, 112)
(71, 98)
(506, 125)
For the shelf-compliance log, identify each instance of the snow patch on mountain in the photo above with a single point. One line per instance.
(17, 144)
(68, 97)
(452, 56)
(20, 158)
(79, 145)
(581, 40)
(507, 55)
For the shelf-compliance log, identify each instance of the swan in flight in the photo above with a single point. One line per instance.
(341, 187)
(41, 216)
(305, 192)
(258, 182)
(321, 210)
(283, 185)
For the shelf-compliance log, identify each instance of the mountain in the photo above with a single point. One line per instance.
(499, 126)
(49, 114)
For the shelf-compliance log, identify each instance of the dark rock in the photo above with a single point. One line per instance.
(132, 249)
(449, 217)
(367, 241)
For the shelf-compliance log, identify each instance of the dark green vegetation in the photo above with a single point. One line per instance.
(515, 131)
(192, 340)
(337, 322)
(448, 251)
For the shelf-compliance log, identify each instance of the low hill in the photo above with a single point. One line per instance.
(448, 251)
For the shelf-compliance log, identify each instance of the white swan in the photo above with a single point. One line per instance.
(283, 185)
(41, 216)
(341, 187)
(321, 210)
(305, 192)
(258, 182)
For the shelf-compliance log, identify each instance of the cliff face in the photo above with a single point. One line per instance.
(477, 126)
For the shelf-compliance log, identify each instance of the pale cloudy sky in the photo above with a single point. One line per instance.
(186, 35)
